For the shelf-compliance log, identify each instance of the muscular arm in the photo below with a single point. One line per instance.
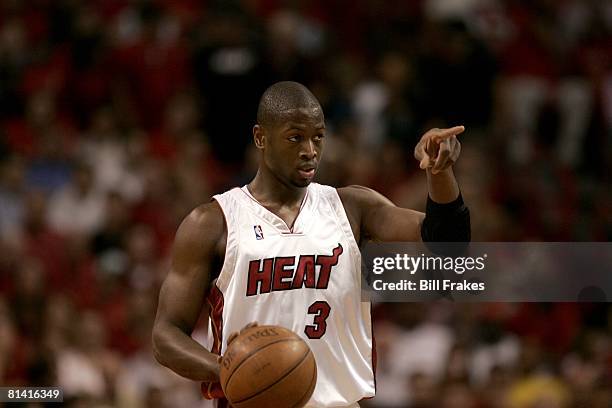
(374, 217)
(182, 295)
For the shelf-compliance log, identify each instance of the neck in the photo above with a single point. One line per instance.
(268, 188)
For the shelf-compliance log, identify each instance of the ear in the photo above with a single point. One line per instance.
(258, 137)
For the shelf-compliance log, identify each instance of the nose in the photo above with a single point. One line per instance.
(308, 150)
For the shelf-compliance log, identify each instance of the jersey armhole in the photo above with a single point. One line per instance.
(228, 209)
(333, 198)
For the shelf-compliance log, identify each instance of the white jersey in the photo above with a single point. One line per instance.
(306, 279)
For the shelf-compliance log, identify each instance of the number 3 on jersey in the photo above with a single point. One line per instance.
(321, 311)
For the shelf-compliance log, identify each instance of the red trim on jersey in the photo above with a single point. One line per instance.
(215, 301)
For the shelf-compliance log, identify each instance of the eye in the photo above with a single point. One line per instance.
(294, 138)
(319, 137)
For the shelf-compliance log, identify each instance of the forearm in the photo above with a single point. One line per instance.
(176, 350)
(447, 218)
(442, 187)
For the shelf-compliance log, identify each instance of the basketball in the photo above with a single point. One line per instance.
(268, 366)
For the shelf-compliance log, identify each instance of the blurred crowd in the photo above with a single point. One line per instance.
(117, 117)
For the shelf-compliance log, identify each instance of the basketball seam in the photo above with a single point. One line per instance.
(314, 376)
(275, 382)
(251, 355)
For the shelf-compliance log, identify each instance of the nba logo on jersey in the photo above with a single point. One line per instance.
(258, 232)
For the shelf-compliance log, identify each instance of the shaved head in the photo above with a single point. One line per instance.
(281, 99)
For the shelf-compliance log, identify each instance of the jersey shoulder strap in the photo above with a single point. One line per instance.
(231, 206)
(329, 195)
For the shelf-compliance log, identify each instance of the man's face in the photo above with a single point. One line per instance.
(292, 148)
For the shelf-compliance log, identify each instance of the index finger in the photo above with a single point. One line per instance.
(447, 133)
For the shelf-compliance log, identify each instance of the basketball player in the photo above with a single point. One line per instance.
(289, 250)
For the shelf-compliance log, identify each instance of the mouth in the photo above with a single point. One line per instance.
(307, 172)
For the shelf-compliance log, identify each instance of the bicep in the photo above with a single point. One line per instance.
(389, 223)
(378, 218)
(181, 298)
(182, 294)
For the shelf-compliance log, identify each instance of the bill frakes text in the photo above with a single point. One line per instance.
(428, 285)
(408, 264)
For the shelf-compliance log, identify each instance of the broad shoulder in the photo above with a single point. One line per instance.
(358, 197)
(203, 226)
(208, 216)
(360, 204)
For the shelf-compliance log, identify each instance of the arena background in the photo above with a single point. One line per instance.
(119, 116)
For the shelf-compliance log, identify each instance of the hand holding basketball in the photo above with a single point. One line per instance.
(438, 149)
(233, 335)
(267, 366)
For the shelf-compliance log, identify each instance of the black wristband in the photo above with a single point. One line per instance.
(448, 222)
(437, 209)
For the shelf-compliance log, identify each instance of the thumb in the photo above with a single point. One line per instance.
(431, 147)
(424, 162)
